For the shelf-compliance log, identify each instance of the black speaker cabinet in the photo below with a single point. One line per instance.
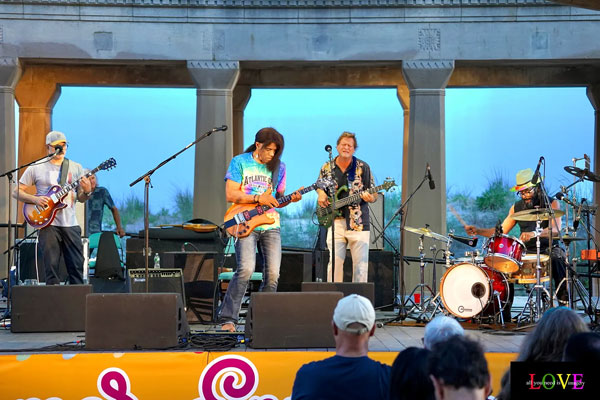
(160, 280)
(296, 267)
(381, 273)
(56, 308)
(200, 271)
(291, 320)
(27, 266)
(366, 289)
(116, 321)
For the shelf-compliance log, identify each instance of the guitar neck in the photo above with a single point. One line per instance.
(287, 198)
(355, 197)
(67, 188)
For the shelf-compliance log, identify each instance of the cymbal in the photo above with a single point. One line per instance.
(567, 238)
(534, 214)
(426, 232)
(583, 173)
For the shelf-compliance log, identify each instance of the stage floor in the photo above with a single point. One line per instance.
(390, 336)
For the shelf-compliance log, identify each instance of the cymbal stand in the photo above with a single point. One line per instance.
(535, 309)
(419, 310)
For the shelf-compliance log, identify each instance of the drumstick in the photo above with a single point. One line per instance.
(458, 217)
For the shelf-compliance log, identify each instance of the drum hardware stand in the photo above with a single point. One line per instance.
(423, 307)
(538, 289)
(399, 283)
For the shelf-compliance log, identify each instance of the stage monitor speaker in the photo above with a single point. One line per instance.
(134, 321)
(296, 267)
(56, 308)
(291, 320)
(160, 280)
(381, 273)
(199, 280)
(365, 289)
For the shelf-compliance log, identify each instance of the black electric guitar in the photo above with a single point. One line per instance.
(326, 215)
(39, 216)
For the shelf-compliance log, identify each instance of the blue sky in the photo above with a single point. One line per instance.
(488, 132)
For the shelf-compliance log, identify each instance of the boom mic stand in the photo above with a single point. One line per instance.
(146, 178)
(402, 313)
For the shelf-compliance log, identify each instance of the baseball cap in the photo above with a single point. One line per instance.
(354, 309)
(55, 137)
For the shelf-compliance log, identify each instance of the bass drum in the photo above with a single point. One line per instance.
(468, 290)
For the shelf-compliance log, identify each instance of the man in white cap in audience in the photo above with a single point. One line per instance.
(350, 374)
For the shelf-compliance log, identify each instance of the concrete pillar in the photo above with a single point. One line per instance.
(241, 97)
(10, 71)
(36, 93)
(593, 93)
(215, 81)
(425, 143)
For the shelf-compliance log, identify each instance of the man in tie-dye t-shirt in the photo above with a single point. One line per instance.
(250, 180)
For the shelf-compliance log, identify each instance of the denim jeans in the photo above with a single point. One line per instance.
(269, 242)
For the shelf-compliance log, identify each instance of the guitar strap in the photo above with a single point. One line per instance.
(275, 177)
(64, 171)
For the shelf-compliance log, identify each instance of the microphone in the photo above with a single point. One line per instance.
(431, 182)
(577, 216)
(58, 149)
(565, 198)
(328, 148)
(222, 128)
(536, 174)
(469, 241)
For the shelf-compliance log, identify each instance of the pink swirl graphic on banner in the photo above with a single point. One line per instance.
(113, 383)
(235, 376)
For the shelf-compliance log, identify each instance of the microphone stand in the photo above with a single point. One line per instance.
(402, 314)
(147, 181)
(8, 252)
(333, 211)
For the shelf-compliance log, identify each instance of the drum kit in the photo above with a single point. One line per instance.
(478, 287)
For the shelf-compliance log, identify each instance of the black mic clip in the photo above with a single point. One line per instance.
(328, 148)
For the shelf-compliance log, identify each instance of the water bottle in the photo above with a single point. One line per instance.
(156, 260)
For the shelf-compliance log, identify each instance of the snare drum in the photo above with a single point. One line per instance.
(468, 290)
(526, 274)
(503, 253)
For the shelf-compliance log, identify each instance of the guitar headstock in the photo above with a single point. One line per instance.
(388, 183)
(108, 164)
(325, 183)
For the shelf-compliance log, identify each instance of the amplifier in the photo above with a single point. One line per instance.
(161, 280)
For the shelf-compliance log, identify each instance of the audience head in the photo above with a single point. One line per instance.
(583, 347)
(440, 329)
(354, 315)
(459, 370)
(548, 339)
(409, 377)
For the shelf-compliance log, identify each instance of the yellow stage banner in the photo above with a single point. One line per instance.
(253, 375)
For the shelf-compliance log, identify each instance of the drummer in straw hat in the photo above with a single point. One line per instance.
(531, 197)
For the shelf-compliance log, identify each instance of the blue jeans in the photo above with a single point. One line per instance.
(269, 242)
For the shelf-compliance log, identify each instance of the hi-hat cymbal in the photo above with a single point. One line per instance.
(583, 173)
(426, 232)
(534, 214)
(567, 238)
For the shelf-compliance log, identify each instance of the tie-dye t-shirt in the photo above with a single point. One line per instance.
(255, 178)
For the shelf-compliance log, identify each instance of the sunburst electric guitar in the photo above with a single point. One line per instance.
(242, 219)
(39, 216)
(325, 215)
